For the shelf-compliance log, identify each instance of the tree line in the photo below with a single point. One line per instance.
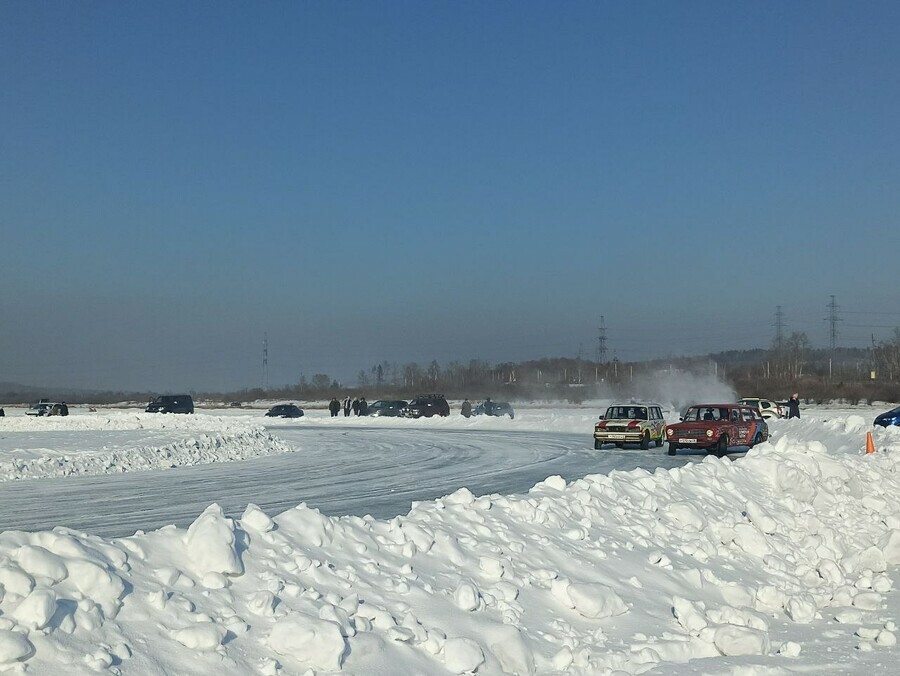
(851, 374)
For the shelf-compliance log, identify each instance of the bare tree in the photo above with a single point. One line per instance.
(796, 348)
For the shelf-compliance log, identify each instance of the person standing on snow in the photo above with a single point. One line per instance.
(363, 406)
(466, 409)
(488, 406)
(794, 405)
(334, 407)
(347, 406)
(355, 406)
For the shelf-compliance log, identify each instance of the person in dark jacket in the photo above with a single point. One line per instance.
(794, 406)
(488, 406)
(355, 406)
(334, 407)
(363, 406)
(466, 409)
(346, 406)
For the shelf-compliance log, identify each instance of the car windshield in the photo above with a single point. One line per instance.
(379, 404)
(626, 412)
(706, 413)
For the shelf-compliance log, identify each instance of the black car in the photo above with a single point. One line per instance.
(285, 411)
(426, 406)
(498, 408)
(889, 418)
(171, 403)
(385, 407)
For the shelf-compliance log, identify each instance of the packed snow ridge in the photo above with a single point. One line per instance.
(187, 440)
(721, 560)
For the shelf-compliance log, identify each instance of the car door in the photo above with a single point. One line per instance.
(656, 421)
(744, 427)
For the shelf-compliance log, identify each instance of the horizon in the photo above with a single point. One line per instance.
(448, 181)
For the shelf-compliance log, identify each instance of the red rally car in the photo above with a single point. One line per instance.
(717, 427)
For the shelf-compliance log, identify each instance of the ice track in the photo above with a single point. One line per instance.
(358, 470)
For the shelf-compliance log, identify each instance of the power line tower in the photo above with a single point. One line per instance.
(265, 364)
(779, 328)
(601, 342)
(833, 319)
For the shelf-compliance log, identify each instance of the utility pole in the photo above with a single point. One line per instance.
(832, 319)
(265, 378)
(601, 342)
(779, 328)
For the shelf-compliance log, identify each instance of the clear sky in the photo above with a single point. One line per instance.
(409, 181)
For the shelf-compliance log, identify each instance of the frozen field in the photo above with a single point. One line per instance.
(783, 561)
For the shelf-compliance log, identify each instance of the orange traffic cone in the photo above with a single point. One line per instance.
(870, 445)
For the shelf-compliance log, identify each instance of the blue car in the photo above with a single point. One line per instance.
(892, 417)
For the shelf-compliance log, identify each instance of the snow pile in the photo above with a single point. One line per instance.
(720, 560)
(145, 441)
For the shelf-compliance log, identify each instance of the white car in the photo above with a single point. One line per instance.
(768, 409)
(630, 424)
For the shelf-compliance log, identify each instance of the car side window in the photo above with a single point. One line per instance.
(747, 414)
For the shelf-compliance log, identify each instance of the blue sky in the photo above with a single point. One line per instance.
(409, 181)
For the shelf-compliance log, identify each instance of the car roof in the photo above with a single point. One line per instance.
(634, 403)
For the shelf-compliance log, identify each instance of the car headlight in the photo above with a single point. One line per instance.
(709, 433)
(668, 432)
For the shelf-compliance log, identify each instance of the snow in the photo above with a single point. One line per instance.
(780, 561)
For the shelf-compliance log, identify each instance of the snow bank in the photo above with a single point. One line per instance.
(111, 443)
(721, 561)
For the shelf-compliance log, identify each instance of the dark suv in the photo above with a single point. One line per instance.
(426, 406)
(171, 403)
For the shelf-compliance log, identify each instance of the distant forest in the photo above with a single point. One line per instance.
(848, 374)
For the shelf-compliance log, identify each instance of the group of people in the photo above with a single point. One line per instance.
(359, 406)
(466, 409)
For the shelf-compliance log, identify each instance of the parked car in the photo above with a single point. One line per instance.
(285, 411)
(768, 409)
(717, 428)
(497, 408)
(387, 408)
(171, 403)
(47, 407)
(630, 424)
(889, 418)
(426, 406)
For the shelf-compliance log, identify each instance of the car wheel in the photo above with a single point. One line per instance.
(721, 448)
(672, 448)
(597, 444)
(645, 441)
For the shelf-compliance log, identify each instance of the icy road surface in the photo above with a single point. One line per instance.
(339, 470)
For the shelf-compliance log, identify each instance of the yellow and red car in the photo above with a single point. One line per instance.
(630, 424)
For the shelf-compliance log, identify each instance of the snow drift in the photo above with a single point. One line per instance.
(721, 561)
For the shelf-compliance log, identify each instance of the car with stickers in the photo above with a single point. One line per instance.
(630, 424)
(716, 428)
